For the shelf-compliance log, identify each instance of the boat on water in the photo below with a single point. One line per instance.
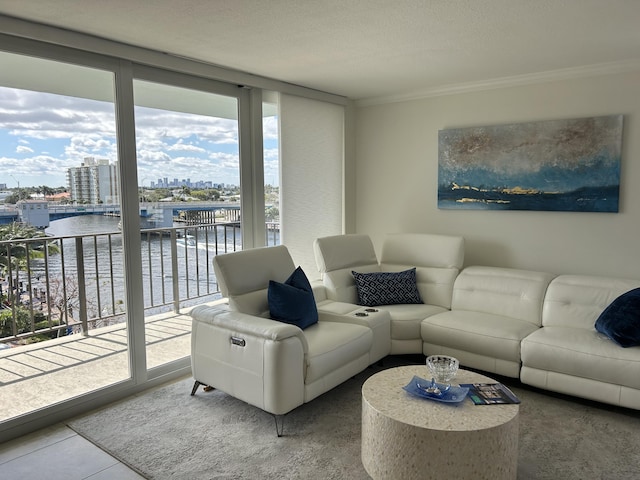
(188, 240)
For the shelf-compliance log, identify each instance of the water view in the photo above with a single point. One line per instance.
(103, 260)
(77, 281)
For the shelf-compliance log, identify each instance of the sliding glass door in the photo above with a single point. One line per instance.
(119, 183)
(188, 169)
(63, 315)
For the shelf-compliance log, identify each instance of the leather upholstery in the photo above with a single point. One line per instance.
(273, 365)
(507, 321)
(437, 259)
(492, 310)
(336, 256)
(268, 371)
(506, 292)
(243, 277)
(569, 356)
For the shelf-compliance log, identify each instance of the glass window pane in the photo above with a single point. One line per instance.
(61, 277)
(271, 171)
(189, 190)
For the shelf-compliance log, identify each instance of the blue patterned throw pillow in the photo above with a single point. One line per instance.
(620, 321)
(293, 301)
(387, 288)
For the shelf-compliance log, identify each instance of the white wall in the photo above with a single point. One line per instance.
(397, 169)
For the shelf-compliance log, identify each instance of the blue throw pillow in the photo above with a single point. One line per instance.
(620, 321)
(293, 301)
(387, 288)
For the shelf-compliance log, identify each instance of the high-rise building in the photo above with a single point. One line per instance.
(94, 181)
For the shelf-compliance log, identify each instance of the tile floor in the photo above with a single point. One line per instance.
(56, 453)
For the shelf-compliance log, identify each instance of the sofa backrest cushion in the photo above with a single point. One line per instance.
(437, 259)
(243, 277)
(506, 292)
(337, 256)
(578, 300)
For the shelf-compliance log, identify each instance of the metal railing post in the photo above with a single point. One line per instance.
(82, 290)
(174, 272)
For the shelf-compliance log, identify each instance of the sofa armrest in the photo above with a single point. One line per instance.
(245, 324)
(255, 359)
(379, 322)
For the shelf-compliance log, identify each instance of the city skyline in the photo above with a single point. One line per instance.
(42, 135)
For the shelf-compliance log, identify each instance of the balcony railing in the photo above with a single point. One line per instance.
(56, 286)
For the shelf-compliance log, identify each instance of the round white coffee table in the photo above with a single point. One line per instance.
(407, 437)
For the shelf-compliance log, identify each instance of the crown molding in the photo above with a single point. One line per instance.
(611, 68)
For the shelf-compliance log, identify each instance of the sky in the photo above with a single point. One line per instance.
(43, 134)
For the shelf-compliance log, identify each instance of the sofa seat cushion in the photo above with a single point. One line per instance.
(332, 345)
(406, 319)
(479, 333)
(582, 353)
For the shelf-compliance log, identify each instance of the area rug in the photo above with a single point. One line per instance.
(167, 434)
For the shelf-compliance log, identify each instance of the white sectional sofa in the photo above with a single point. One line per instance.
(492, 311)
(437, 259)
(273, 365)
(568, 355)
(535, 326)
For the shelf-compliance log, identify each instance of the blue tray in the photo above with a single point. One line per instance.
(453, 395)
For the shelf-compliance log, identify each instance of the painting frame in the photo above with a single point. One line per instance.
(552, 165)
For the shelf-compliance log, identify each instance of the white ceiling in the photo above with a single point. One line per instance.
(367, 49)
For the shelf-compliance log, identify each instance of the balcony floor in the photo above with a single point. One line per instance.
(44, 373)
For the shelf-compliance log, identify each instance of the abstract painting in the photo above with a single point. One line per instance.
(556, 165)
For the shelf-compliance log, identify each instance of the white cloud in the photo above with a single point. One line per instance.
(270, 128)
(184, 147)
(42, 135)
(23, 149)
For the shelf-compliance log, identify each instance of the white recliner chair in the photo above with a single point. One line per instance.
(272, 365)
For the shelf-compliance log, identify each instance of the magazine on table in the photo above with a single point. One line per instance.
(490, 394)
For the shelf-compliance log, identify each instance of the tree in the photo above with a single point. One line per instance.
(64, 296)
(23, 323)
(14, 232)
(47, 191)
(15, 197)
(272, 214)
(158, 194)
(200, 194)
(14, 253)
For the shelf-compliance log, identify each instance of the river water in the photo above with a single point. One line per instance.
(103, 264)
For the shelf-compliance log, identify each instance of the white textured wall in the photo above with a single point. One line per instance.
(397, 168)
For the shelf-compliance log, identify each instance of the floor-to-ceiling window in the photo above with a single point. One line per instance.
(82, 310)
(271, 155)
(188, 168)
(141, 172)
(62, 292)
(123, 132)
